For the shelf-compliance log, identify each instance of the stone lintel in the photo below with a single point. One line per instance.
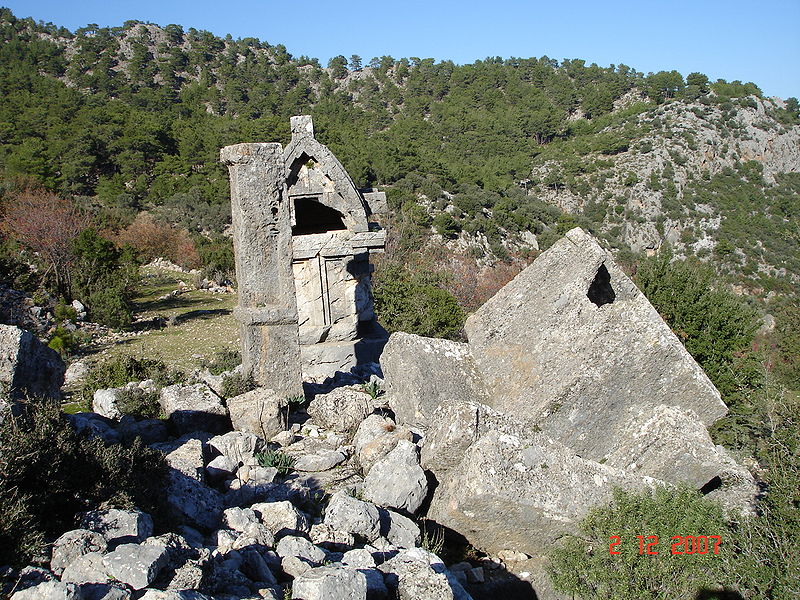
(265, 315)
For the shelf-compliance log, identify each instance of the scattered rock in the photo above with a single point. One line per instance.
(260, 411)
(340, 410)
(282, 518)
(136, 565)
(322, 460)
(119, 526)
(330, 583)
(397, 480)
(348, 514)
(74, 544)
(375, 438)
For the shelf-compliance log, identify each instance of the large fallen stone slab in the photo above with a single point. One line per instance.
(27, 366)
(397, 480)
(330, 583)
(422, 373)
(522, 493)
(571, 344)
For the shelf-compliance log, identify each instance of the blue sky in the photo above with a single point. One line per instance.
(751, 41)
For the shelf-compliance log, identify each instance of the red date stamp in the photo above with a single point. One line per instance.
(680, 544)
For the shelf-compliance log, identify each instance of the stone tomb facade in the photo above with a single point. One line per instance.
(324, 219)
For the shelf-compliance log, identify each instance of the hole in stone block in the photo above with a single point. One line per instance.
(314, 217)
(713, 484)
(600, 290)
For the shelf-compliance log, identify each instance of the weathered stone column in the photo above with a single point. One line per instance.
(262, 242)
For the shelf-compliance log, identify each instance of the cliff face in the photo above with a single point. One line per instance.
(655, 191)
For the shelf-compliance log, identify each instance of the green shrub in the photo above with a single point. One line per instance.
(237, 384)
(408, 302)
(65, 312)
(124, 369)
(62, 341)
(139, 403)
(223, 360)
(275, 458)
(582, 565)
(48, 473)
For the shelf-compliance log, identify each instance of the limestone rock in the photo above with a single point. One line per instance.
(341, 410)
(239, 518)
(375, 438)
(282, 518)
(571, 344)
(327, 536)
(185, 455)
(88, 568)
(669, 443)
(399, 530)
(136, 565)
(330, 583)
(220, 468)
(76, 373)
(27, 366)
(397, 480)
(239, 446)
(174, 595)
(348, 514)
(50, 590)
(322, 460)
(194, 408)
(422, 373)
(417, 574)
(105, 403)
(94, 426)
(191, 503)
(260, 411)
(105, 591)
(513, 493)
(152, 431)
(291, 545)
(74, 544)
(119, 526)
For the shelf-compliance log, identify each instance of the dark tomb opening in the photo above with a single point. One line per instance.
(313, 217)
(600, 291)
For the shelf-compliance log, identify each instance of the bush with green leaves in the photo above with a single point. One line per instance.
(275, 458)
(48, 473)
(139, 403)
(713, 324)
(223, 360)
(582, 565)
(412, 302)
(237, 384)
(124, 369)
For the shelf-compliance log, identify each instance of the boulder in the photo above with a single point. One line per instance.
(516, 493)
(88, 568)
(397, 480)
(105, 591)
(220, 468)
(76, 373)
(194, 408)
(291, 545)
(238, 446)
(136, 565)
(571, 344)
(375, 438)
(282, 518)
(330, 583)
(174, 595)
(27, 366)
(95, 426)
(399, 530)
(74, 544)
(322, 460)
(192, 503)
(105, 403)
(118, 526)
(341, 410)
(422, 373)
(151, 431)
(347, 514)
(50, 590)
(185, 455)
(260, 411)
(239, 519)
(417, 574)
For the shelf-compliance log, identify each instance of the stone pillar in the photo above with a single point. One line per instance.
(262, 242)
